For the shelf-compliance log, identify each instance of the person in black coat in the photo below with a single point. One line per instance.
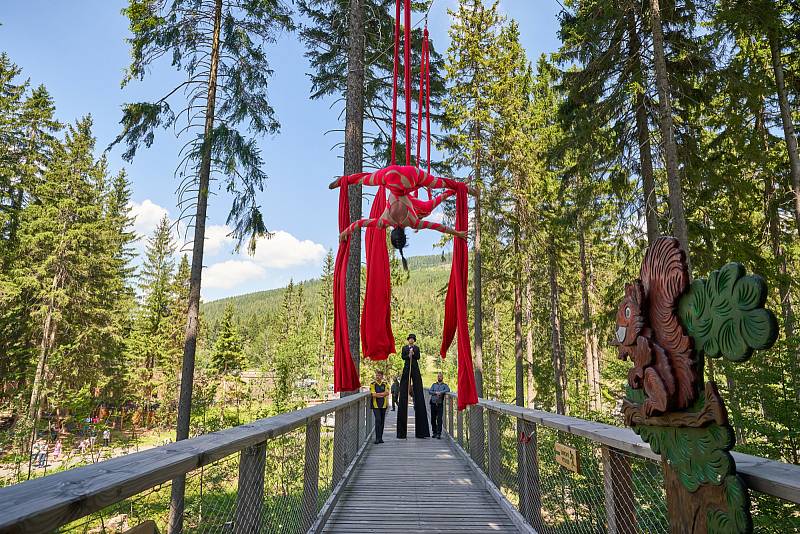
(410, 355)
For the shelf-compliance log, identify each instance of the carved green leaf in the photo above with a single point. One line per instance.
(698, 455)
(725, 314)
(737, 518)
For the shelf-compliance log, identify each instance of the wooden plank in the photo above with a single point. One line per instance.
(250, 494)
(415, 485)
(44, 504)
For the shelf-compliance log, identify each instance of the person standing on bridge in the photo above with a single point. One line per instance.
(395, 392)
(437, 391)
(410, 355)
(380, 401)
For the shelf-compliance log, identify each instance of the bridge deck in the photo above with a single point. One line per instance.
(415, 485)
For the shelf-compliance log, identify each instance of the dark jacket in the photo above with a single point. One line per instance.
(404, 353)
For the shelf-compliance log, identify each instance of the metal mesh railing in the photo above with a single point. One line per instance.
(277, 486)
(611, 491)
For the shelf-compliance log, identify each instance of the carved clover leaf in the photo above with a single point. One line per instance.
(725, 314)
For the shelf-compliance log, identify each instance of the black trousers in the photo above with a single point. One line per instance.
(420, 413)
(394, 401)
(437, 414)
(380, 419)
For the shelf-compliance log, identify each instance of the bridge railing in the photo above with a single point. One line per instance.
(273, 475)
(619, 483)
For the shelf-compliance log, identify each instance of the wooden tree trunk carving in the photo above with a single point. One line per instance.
(668, 328)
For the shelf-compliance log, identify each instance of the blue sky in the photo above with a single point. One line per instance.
(77, 50)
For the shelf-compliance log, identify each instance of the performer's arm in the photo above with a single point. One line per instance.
(362, 223)
(436, 182)
(364, 178)
(423, 224)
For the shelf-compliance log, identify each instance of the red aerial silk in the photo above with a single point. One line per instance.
(455, 307)
(345, 376)
(377, 339)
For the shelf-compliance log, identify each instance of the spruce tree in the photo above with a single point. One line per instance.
(227, 356)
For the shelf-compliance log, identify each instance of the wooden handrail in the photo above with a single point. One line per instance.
(46, 503)
(774, 478)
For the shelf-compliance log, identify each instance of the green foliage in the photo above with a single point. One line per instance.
(725, 314)
(221, 146)
(227, 355)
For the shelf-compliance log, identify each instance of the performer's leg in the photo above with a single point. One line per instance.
(402, 409)
(421, 413)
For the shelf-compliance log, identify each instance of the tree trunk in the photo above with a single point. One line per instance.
(498, 372)
(679, 226)
(519, 376)
(643, 135)
(529, 346)
(555, 330)
(788, 125)
(193, 315)
(45, 347)
(353, 163)
(590, 344)
(476, 277)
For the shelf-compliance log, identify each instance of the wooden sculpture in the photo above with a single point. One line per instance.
(667, 327)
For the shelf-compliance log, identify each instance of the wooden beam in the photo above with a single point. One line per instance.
(618, 485)
(250, 493)
(311, 474)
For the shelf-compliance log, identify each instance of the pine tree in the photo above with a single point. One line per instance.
(220, 46)
(468, 118)
(228, 356)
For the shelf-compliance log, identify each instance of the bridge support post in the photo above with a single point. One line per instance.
(450, 404)
(477, 436)
(311, 474)
(461, 428)
(340, 450)
(250, 495)
(618, 484)
(368, 421)
(530, 487)
(494, 446)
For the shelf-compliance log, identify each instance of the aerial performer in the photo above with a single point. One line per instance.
(397, 205)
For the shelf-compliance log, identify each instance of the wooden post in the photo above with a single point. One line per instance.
(530, 488)
(477, 436)
(450, 404)
(311, 474)
(361, 421)
(340, 461)
(620, 504)
(494, 447)
(250, 495)
(368, 414)
(461, 428)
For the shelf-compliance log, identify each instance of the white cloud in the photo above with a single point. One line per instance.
(218, 239)
(283, 250)
(147, 214)
(231, 273)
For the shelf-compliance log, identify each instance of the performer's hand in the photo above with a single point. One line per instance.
(462, 234)
(343, 237)
(334, 184)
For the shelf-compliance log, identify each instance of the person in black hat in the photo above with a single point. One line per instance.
(410, 355)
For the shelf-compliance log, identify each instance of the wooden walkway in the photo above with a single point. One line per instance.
(415, 485)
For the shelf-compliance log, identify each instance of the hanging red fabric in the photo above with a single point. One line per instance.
(394, 78)
(407, 58)
(377, 339)
(455, 306)
(345, 376)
